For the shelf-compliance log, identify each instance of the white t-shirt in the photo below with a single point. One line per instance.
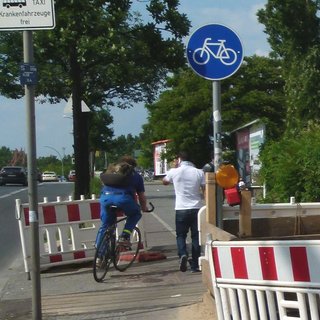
(187, 181)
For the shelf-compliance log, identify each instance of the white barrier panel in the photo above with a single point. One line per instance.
(67, 231)
(275, 210)
(265, 279)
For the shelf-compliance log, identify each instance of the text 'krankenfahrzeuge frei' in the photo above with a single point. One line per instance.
(26, 14)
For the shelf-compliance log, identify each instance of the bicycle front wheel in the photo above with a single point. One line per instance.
(103, 258)
(125, 255)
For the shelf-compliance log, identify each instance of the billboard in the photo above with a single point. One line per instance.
(160, 163)
(249, 139)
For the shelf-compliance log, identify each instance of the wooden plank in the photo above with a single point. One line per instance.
(211, 210)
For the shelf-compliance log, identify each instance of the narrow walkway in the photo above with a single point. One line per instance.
(148, 290)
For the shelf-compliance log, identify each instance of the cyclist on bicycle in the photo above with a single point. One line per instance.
(122, 186)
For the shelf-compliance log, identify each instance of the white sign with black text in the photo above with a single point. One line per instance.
(26, 15)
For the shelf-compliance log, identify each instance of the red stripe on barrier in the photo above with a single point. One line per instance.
(26, 216)
(216, 262)
(73, 212)
(299, 261)
(79, 255)
(49, 214)
(55, 258)
(268, 263)
(95, 210)
(239, 263)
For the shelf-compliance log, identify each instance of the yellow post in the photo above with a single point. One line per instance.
(211, 211)
(245, 214)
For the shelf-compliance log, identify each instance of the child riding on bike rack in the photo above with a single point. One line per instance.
(122, 187)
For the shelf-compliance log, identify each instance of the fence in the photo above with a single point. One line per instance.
(263, 279)
(67, 231)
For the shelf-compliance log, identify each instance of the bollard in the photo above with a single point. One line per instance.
(245, 214)
(211, 209)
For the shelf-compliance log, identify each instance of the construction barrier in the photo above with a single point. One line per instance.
(265, 279)
(67, 231)
(275, 210)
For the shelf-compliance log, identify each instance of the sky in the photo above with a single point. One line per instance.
(54, 127)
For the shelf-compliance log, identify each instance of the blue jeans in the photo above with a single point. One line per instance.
(124, 201)
(185, 220)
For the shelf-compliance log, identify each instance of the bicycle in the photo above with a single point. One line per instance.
(227, 56)
(147, 175)
(110, 250)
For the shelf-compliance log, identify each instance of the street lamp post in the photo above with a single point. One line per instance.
(68, 117)
(61, 159)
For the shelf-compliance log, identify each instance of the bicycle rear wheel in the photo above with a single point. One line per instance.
(125, 255)
(103, 257)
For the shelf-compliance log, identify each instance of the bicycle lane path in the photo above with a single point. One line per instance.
(148, 290)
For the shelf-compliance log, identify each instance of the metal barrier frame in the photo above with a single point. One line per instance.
(67, 231)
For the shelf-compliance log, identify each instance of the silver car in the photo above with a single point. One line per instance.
(49, 176)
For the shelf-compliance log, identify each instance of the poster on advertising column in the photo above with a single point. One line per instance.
(249, 139)
(160, 162)
(257, 138)
(243, 154)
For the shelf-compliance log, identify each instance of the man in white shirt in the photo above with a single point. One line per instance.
(189, 184)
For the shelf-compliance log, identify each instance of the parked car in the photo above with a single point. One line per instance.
(72, 175)
(49, 176)
(14, 175)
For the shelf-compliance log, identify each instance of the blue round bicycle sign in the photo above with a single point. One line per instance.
(214, 52)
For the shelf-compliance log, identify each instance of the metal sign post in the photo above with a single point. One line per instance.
(27, 15)
(217, 144)
(215, 52)
(32, 182)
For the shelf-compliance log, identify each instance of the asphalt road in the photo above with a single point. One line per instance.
(10, 245)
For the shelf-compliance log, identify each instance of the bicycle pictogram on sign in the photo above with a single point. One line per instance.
(226, 56)
(214, 52)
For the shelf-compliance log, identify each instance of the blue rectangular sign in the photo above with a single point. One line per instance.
(28, 74)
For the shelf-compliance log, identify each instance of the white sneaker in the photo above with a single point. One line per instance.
(124, 242)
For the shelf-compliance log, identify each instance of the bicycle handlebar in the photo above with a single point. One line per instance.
(152, 207)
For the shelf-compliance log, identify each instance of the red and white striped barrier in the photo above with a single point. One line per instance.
(266, 279)
(290, 263)
(67, 231)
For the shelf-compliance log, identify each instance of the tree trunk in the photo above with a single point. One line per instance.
(80, 131)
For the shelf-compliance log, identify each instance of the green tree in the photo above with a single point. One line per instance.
(122, 145)
(50, 163)
(290, 168)
(101, 52)
(184, 113)
(5, 156)
(293, 29)
(256, 91)
(100, 136)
